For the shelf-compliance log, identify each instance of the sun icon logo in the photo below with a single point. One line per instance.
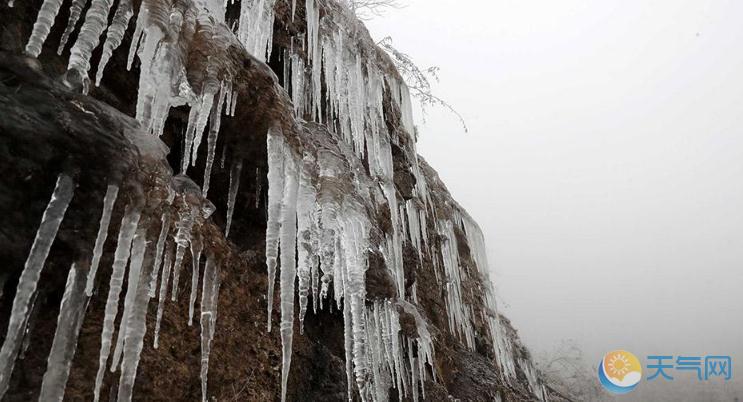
(619, 371)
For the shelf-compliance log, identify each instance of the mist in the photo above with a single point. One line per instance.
(604, 163)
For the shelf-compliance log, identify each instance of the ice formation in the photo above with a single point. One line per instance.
(75, 9)
(108, 205)
(255, 30)
(134, 329)
(121, 257)
(325, 197)
(232, 195)
(71, 314)
(139, 247)
(43, 25)
(209, 296)
(197, 246)
(29, 279)
(325, 215)
(160, 247)
(167, 266)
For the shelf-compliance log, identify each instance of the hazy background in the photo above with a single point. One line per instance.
(604, 164)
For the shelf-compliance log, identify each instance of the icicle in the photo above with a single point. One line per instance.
(348, 345)
(75, 9)
(164, 229)
(29, 279)
(215, 122)
(96, 21)
(197, 120)
(196, 247)
(139, 247)
(70, 319)
(275, 195)
(288, 235)
(42, 26)
(121, 257)
(209, 297)
(135, 331)
(314, 56)
(233, 103)
(234, 185)
(255, 30)
(184, 225)
(114, 36)
(167, 264)
(108, 205)
(206, 106)
(307, 233)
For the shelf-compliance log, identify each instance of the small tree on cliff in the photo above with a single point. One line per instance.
(418, 80)
(367, 9)
(568, 373)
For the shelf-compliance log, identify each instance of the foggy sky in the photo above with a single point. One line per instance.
(604, 164)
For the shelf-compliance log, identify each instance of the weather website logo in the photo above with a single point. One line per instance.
(620, 371)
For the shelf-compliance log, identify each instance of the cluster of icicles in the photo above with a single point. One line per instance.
(315, 211)
(334, 85)
(145, 264)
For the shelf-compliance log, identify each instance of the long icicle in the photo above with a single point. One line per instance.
(75, 9)
(209, 297)
(42, 26)
(275, 191)
(167, 264)
(232, 196)
(114, 36)
(157, 263)
(197, 246)
(288, 236)
(121, 256)
(70, 319)
(135, 331)
(214, 123)
(29, 279)
(108, 205)
(139, 247)
(96, 20)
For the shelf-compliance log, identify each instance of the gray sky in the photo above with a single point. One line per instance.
(604, 163)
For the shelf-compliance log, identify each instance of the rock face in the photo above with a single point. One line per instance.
(309, 155)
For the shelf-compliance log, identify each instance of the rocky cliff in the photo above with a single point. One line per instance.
(223, 201)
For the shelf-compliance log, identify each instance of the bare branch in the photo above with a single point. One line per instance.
(368, 9)
(418, 80)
